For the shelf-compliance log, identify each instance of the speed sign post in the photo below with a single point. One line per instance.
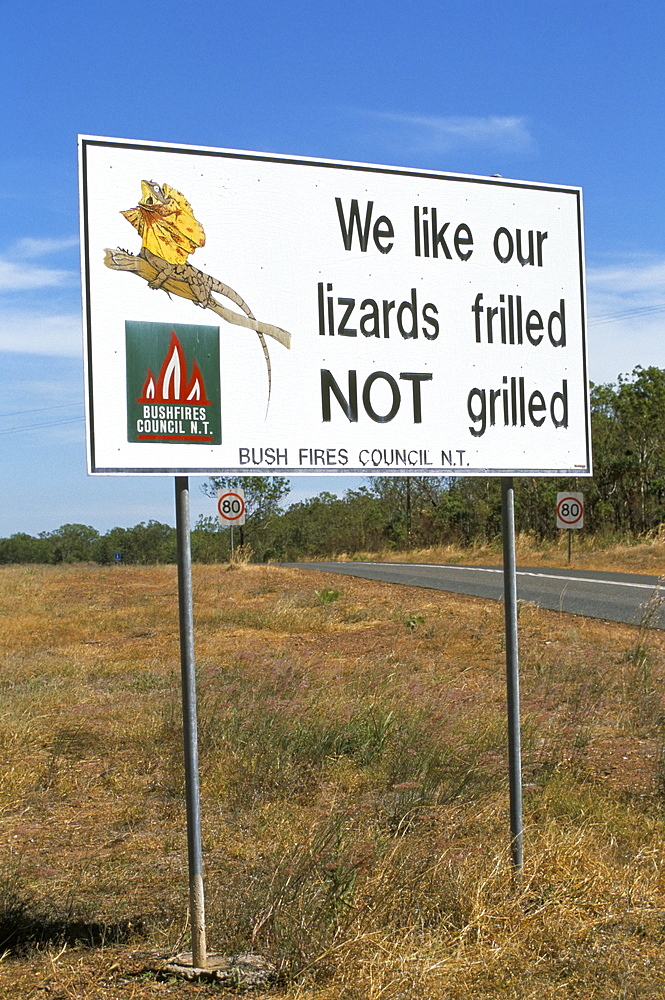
(231, 509)
(569, 514)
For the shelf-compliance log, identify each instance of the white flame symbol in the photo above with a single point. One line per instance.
(195, 392)
(172, 375)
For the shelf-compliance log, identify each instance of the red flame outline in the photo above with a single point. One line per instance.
(177, 371)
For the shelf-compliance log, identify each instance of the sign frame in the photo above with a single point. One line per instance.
(449, 383)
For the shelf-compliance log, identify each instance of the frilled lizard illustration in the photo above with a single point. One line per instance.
(170, 233)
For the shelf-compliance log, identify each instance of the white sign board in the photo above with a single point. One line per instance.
(231, 507)
(270, 314)
(570, 510)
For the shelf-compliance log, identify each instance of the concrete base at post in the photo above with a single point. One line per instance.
(245, 971)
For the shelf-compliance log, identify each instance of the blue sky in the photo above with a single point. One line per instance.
(568, 92)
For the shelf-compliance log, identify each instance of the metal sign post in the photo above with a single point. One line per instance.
(194, 852)
(512, 670)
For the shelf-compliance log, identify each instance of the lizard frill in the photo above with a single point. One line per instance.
(168, 230)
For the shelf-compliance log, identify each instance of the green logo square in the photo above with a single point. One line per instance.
(173, 384)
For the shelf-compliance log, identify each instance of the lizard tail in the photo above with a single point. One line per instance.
(221, 289)
(266, 355)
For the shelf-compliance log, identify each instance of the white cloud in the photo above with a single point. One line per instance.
(646, 279)
(626, 287)
(35, 333)
(19, 277)
(626, 317)
(18, 274)
(441, 134)
(29, 247)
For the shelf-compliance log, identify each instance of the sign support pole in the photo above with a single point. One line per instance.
(512, 670)
(185, 604)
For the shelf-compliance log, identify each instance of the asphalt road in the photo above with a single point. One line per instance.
(615, 597)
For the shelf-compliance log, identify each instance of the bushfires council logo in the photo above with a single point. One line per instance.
(173, 384)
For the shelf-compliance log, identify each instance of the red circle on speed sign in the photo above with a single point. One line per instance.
(570, 510)
(231, 506)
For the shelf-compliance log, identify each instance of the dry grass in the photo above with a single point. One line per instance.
(641, 555)
(354, 791)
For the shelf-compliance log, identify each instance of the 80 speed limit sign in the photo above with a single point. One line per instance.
(569, 510)
(231, 507)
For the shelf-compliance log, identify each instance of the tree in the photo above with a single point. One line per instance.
(325, 525)
(640, 409)
(210, 544)
(72, 542)
(629, 451)
(409, 506)
(22, 548)
(145, 543)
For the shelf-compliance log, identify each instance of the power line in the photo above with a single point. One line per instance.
(32, 427)
(626, 314)
(37, 409)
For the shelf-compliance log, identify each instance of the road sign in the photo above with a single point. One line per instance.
(283, 315)
(231, 507)
(570, 510)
